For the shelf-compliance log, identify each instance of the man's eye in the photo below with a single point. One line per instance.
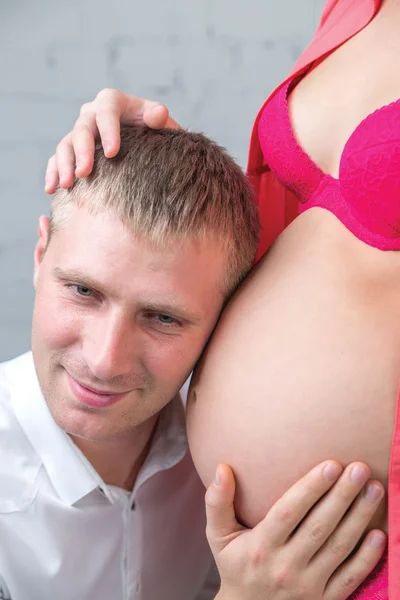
(166, 319)
(82, 290)
(163, 320)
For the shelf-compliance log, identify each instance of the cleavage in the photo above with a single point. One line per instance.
(328, 104)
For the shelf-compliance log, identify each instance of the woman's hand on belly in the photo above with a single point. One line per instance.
(298, 550)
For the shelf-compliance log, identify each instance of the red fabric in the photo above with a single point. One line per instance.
(394, 512)
(375, 587)
(341, 19)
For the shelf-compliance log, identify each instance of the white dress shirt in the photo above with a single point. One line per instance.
(66, 535)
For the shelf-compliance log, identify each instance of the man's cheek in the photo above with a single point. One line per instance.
(57, 328)
(173, 367)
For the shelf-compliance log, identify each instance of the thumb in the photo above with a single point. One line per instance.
(222, 525)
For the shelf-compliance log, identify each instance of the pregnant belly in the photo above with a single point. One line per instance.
(303, 366)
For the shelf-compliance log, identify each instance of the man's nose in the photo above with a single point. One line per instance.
(112, 346)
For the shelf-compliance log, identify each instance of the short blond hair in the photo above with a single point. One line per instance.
(167, 184)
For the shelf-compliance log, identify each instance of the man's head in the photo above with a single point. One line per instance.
(131, 273)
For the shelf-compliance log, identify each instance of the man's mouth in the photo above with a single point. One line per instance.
(95, 398)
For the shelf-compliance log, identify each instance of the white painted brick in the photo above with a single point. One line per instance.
(211, 61)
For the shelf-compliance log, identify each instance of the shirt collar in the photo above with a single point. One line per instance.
(71, 474)
(169, 444)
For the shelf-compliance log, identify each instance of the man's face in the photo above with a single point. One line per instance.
(118, 324)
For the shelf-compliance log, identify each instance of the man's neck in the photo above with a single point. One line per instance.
(119, 460)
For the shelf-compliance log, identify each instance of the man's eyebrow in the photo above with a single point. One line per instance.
(76, 275)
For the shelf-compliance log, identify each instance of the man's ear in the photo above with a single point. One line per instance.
(43, 238)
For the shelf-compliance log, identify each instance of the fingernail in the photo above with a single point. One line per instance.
(373, 492)
(331, 471)
(217, 479)
(107, 146)
(359, 474)
(378, 541)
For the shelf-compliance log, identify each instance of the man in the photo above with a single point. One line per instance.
(99, 498)
(131, 272)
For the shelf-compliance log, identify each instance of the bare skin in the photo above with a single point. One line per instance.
(315, 329)
(307, 355)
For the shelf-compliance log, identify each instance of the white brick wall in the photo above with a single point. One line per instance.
(211, 61)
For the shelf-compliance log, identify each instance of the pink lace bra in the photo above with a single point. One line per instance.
(366, 196)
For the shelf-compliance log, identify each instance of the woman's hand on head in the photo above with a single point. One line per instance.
(101, 118)
(303, 549)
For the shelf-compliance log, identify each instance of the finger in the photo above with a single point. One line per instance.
(347, 535)
(327, 514)
(222, 525)
(290, 510)
(113, 108)
(109, 106)
(51, 177)
(66, 162)
(157, 116)
(130, 110)
(347, 579)
(83, 142)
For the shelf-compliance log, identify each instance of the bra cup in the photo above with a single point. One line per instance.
(285, 157)
(366, 195)
(370, 172)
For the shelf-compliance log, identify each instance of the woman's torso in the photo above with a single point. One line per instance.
(305, 362)
(303, 366)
